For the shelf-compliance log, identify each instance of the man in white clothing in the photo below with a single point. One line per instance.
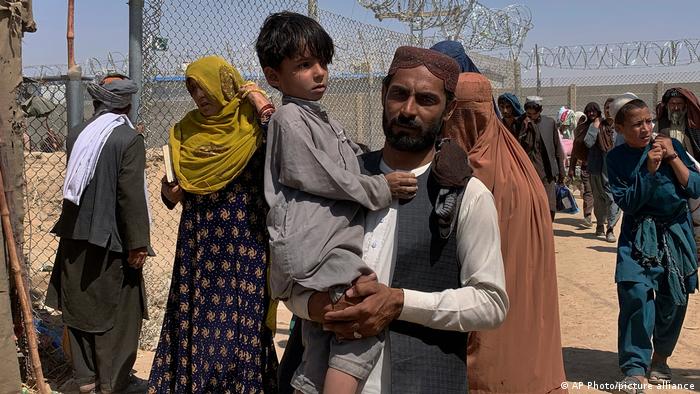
(432, 289)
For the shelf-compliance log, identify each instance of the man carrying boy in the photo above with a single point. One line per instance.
(316, 193)
(431, 291)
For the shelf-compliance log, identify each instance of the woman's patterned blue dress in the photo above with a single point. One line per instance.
(214, 338)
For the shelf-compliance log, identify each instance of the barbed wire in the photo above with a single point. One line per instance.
(421, 15)
(112, 62)
(483, 28)
(580, 57)
(615, 55)
(478, 26)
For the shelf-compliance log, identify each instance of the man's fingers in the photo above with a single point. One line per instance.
(365, 289)
(350, 313)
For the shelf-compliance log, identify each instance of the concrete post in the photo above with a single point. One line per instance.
(659, 90)
(572, 97)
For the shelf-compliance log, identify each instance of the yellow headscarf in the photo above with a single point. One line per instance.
(209, 152)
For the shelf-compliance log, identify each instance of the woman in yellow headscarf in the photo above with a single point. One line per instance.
(214, 336)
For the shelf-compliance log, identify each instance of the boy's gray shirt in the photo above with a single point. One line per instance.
(316, 193)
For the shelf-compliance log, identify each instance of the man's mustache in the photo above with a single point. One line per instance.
(405, 122)
(677, 116)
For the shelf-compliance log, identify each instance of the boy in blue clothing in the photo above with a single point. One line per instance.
(316, 196)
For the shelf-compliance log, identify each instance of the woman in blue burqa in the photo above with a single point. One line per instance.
(456, 51)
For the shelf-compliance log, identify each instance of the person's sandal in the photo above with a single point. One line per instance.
(90, 388)
(660, 374)
(629, 385)
(610, 236)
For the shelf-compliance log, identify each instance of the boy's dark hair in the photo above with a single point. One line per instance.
(632, 105)
(533, 105)
(287, 35)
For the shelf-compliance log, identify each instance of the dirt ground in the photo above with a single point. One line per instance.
(588, 310)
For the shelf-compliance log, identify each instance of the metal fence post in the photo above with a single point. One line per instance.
(539, 70)
(572, 97)
(136, 53)
(74, 97)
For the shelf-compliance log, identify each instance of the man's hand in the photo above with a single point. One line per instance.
(173, 192)
(137, 257)
(380, 306)
(320, 302)
(403, 185)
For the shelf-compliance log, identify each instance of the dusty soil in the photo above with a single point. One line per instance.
(588, 310)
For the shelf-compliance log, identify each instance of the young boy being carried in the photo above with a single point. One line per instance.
(316, 196)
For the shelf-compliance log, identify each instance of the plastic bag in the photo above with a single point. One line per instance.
(566, 203)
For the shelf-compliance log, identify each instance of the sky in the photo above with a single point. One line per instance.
(101, 26)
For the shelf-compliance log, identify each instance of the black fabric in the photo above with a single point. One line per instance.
(424, 360)
(451, 165)
(293, 354)
(113, 208)
(86, 285)
(109, 356)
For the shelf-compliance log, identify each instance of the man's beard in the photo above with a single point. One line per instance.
(677, 118)
(407, 143)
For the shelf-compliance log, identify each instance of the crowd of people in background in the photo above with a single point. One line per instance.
(425, 266)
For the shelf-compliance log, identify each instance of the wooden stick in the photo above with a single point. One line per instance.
(70, 35)
(16, 269)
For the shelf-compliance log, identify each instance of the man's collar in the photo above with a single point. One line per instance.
(416, 171)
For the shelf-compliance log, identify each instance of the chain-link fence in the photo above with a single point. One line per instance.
(576, 92)
(44, 104)
(177, 32)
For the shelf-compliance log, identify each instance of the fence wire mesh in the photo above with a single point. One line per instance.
(178, 32)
